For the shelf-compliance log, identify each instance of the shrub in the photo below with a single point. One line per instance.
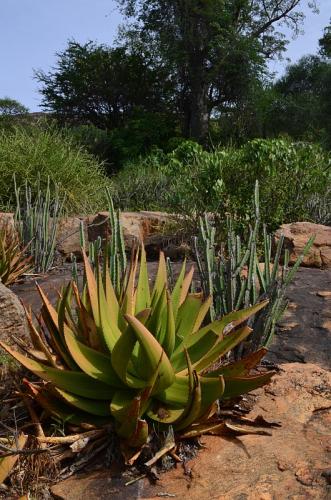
(37, 150)
(192, 181)
(95, 141)
(289, 173)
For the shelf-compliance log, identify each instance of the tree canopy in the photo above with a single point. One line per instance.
(213, 49)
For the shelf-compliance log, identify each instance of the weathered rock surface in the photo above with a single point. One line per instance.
(304, 332)
(12, 317)
(296, 236)
(68, 239)
(293, 463)
(137, 227)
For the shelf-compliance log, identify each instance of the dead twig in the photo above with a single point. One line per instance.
(70, 439)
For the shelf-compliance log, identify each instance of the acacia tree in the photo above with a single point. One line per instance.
(11, 107)
(207, 45)
(100, 85)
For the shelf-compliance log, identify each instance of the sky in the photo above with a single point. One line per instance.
(32, 31)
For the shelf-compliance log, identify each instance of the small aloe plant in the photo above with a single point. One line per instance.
(13, 260)
(140, 357)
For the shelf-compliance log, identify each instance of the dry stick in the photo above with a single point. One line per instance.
(22, 452)
(34, 418)
(160, 454)
(70, 439)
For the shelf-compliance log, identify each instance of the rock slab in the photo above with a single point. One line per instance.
(296, 236)
(293, 463)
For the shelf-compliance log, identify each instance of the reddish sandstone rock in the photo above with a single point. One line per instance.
(292, 463)
(296, 236)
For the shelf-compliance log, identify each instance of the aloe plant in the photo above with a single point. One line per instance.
(13, 260)
(141, 359)
(234, 277)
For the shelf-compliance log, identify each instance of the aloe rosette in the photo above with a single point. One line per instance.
(139, 358)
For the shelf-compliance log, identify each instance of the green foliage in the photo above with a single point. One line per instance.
(231, 273)
(11, 107)
(289, 174)
(302, 101)
(140, 134)
(138, 360)
(192, 181)
(45, 152)
(99, 85)
(214, 51)
(325, 42)
(95, 141)
(10, 110)
(37, 222)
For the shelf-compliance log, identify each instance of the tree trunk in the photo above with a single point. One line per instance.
(199, 115)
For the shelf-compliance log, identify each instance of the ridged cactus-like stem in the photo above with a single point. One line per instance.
(234, 278)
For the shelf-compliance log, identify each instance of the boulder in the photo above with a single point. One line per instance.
(68, 236)
(296, 236)
(137, 226)
(13, 321)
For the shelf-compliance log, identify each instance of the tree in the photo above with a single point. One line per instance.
(325, 42)
(99, 85)
(207, 45)
(11, 107)
(301, 106)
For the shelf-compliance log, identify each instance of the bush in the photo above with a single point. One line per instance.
(289, 173)
(95, 141)
(192, 181)
(38, 150)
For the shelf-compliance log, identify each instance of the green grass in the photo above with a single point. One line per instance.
(40, 149)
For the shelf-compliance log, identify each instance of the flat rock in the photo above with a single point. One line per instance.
(296, 236)
(304, 332)
(292, 463)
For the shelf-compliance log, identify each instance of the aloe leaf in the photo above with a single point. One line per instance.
(187, 316)
(241, 367)
(143, 298)
(64, 411)
(51, 320)
(240, 385)
(186, 285)
(176, 293)
(165, 414)
(154, 353)
(128, 305)
(94, 363)
(7, 463)
(193, 407)
(177, 394)
(223, 347)
(121, 358)
(108, 323)
(76, 382)
(92, 406)
(169, 339)
(92, 290)
(160, 280)
(205, 307)
(202, 345)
